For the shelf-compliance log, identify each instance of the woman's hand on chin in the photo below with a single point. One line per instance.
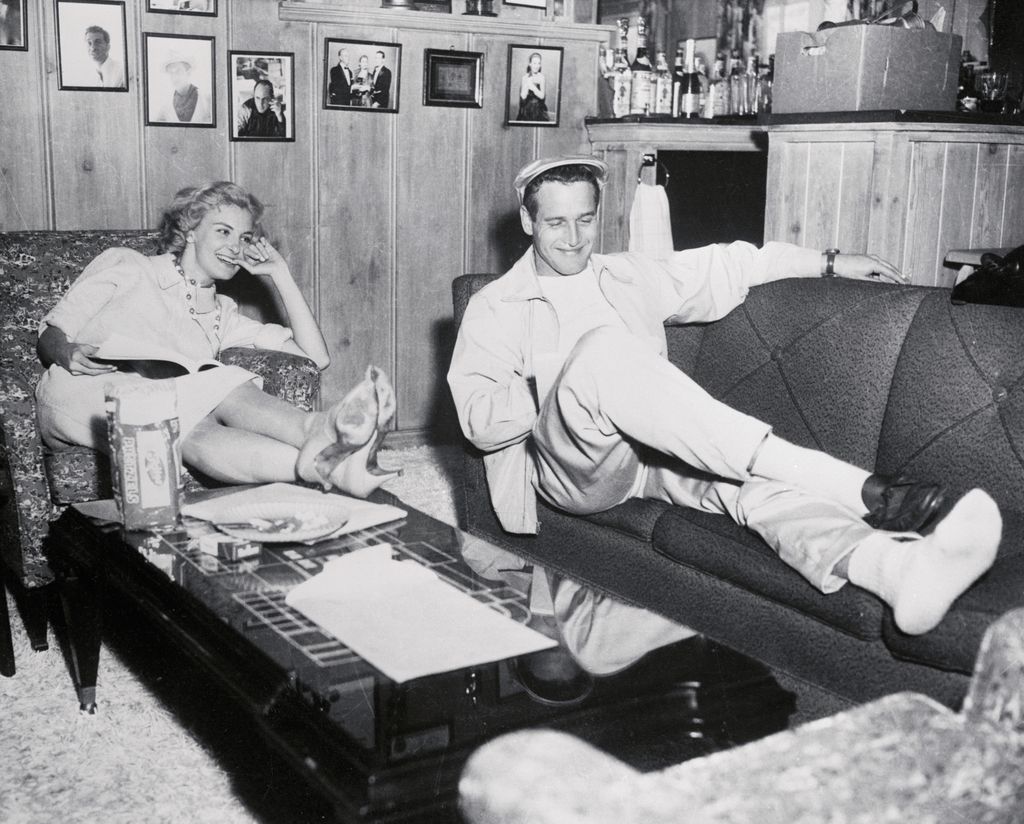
(262, 258)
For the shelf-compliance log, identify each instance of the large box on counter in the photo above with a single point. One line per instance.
(863, 68)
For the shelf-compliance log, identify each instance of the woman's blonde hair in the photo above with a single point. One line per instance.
(191, 205)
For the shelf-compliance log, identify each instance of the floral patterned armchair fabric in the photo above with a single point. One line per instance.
(36, 269)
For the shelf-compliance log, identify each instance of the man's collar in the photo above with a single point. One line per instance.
(525, 281)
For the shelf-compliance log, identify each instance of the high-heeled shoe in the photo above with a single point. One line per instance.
(355, 429)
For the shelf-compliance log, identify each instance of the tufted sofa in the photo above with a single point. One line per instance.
(891, 378)
(36, 268)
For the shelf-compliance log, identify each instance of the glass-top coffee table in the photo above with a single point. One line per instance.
(374, 749)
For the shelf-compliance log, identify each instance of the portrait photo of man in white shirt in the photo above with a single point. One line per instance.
(91, 45)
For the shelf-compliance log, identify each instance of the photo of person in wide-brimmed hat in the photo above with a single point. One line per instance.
(179, 80)
(186, 103)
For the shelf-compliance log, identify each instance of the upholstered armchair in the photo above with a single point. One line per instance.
(36, 269)
(900, 758)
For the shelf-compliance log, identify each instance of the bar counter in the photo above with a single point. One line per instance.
(907, 186)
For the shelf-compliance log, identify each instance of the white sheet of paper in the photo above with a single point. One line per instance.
(406, 621)
(364, 514)
(104, 510)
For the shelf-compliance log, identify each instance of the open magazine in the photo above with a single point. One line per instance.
(149, 359)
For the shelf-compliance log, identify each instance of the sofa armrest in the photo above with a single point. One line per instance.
(25, 507)
(293, 378)
(546, 777)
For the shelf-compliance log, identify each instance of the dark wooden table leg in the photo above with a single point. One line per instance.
(34, 608)
(81, 598)
(6, 642)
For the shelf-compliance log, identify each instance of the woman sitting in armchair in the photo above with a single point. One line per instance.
(231, 430)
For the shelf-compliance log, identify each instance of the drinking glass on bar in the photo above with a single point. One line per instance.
(991, 88)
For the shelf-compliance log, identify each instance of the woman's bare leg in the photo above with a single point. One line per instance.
(255, 437)
(234, 455)
(253, 410)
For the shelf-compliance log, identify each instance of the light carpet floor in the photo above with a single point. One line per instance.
(159, 749)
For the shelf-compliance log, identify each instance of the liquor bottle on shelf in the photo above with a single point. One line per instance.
(966, 94)
(622, 77)
(689, 87)
(641, 96)
(737, 85)
(734, 65)
(662, 85)
(765, 84)
(750, 84)
(719, 94)
(702, 76)
(677, 76)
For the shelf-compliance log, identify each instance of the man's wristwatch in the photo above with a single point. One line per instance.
(830, 263)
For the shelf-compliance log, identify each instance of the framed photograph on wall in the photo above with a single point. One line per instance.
(207, 8)
(261, 91)
(13, 25)
(534, 90)
(180, 80)
(92, 50)
(361, 75)
(453, 78)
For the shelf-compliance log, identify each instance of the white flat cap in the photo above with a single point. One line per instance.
(536, 167)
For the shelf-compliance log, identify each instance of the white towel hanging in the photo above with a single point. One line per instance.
(650, 227)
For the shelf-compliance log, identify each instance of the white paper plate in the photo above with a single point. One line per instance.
(283, 522)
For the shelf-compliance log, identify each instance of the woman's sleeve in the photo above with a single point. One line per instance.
(240, 330)
(92, 290)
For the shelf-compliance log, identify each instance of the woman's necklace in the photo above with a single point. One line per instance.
(192, 301)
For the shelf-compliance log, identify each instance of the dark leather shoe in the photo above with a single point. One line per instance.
(899, 505)
(552, 677)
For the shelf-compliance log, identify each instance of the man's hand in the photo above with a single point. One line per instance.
(868, 267)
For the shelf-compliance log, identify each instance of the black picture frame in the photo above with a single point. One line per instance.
(173, 65)
(546, 112)
(13, 25)
(436, 6)
(245, 70)
(198, 8)
(453, 78)
(80, 24)
(338, 84)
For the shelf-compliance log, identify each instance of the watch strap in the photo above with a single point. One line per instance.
(830, 263)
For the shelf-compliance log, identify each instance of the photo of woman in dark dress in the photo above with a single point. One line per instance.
(532, 93)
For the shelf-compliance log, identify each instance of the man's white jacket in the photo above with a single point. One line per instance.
(509, 323)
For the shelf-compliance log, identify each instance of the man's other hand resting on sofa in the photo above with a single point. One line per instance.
(560, 377)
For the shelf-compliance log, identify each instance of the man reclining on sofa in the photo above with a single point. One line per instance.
(560, 377)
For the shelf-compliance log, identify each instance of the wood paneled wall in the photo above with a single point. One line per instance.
(908, 192)
(376, 213)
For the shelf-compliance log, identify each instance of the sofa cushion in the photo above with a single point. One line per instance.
(953, 644)
(956, 408)
(718, 546)
(787, 354)
(636, 517)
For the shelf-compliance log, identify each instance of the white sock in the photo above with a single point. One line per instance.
(810, 469)
(920, 578)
